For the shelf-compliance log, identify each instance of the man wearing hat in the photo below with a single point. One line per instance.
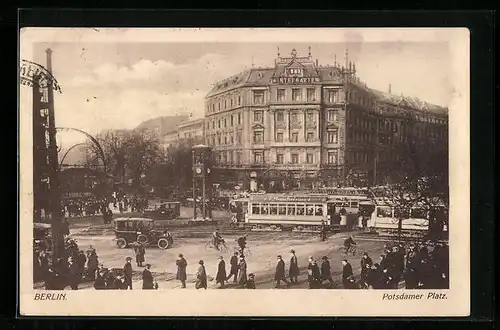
(326, 274)
(293, 271)
(313, 274)
(280, 273)
(147, 278)
(221, 272)
(127, 271)
(347, 275)
(181, 270)
(234, 267)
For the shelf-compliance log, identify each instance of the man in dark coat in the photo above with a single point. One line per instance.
(293, 271)
(234, 267)
(147, 278)
(280, 273)
(347, 275)
(52, 280)
(366, 265)
(221, 276)
(100, 281)
(326, 273)
(74, 274)
(81, 260)
(181, 270)
(127, 270)
(140, 251)
(65, 227)
(242, 272)
(313, 274)
(410, 278)
(373, 277)
(92, 264)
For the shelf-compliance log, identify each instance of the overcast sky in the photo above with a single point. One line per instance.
(109, 85)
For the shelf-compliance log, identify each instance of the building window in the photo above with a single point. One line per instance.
(332, 157)
(238, 157)
(257, 157)
(280, 95)
(310, 159)
(258, 97)
(295, 117)
(310, 117)
(213, 124)
(296, 94)
(232, 102)
(225, 122)
(232, 120)
(333, 136)
(279, 158)
(310, 136)
(238, 137)
(225, 104)
(279, 137)
(333, 95)
(295, 137)
(295, 158)
(230, 157)
(310, 95)
(225, 139)
(232, 139)
(213, 107)
(295, 71)
(218, 140)
(258, 137)
(257, 116)
(239, 100)
(239, 119)
(219, 124)
(332, 115)
(280, 117)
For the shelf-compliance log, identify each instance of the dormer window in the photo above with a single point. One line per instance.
(295, 71)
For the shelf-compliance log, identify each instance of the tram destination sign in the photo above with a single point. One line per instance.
(294, 80)
(289, 199)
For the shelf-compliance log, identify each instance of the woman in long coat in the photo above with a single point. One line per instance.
(242, 274)
(147, 278)
(221, 272)
(181, 270)
(293, 271)
(201, 277)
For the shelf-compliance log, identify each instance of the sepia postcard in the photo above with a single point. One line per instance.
(244, 172)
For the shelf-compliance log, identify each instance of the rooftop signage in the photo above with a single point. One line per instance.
(295, 80)
(288, 199)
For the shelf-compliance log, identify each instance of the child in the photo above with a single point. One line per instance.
(251, 281)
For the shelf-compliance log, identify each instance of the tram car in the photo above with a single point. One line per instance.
(279, 212)
(346, 199)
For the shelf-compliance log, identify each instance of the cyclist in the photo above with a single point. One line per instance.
(242, 243)
(349, 244)
(217, 238)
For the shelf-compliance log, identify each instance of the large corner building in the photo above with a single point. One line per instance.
(301, 124)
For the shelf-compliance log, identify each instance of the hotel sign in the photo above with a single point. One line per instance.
(288, 199)
(294, 80)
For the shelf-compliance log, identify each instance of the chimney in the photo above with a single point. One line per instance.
(316, 62)
(389, 88)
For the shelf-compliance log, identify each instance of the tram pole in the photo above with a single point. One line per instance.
(55, 200)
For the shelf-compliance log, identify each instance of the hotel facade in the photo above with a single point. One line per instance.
(299, 124)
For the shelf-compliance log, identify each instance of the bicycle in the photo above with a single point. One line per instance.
(246, 251)
(347, 250)
(210, 246)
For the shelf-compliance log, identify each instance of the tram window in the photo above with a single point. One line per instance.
(398, 213)
(282, 209)
(274, 209)
(345, 204)
(265, 209)
(309, 209)
(354, 204)
(319, 210)
(418, 213)
(300, 209)
(256, 209)
(291, 209)
(384, 212)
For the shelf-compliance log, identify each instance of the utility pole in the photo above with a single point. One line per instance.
(55, 198)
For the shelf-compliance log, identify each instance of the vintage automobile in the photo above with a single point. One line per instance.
(140, 230)
(164, 210)
(42, 238)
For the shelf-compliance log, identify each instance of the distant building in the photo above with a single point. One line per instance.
(187, 133)
(300, 124)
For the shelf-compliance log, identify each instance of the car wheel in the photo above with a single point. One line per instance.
(121, 243)
(163, 243)
(142, 239)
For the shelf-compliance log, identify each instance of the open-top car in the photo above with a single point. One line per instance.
(140, 230)
(42, 238)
